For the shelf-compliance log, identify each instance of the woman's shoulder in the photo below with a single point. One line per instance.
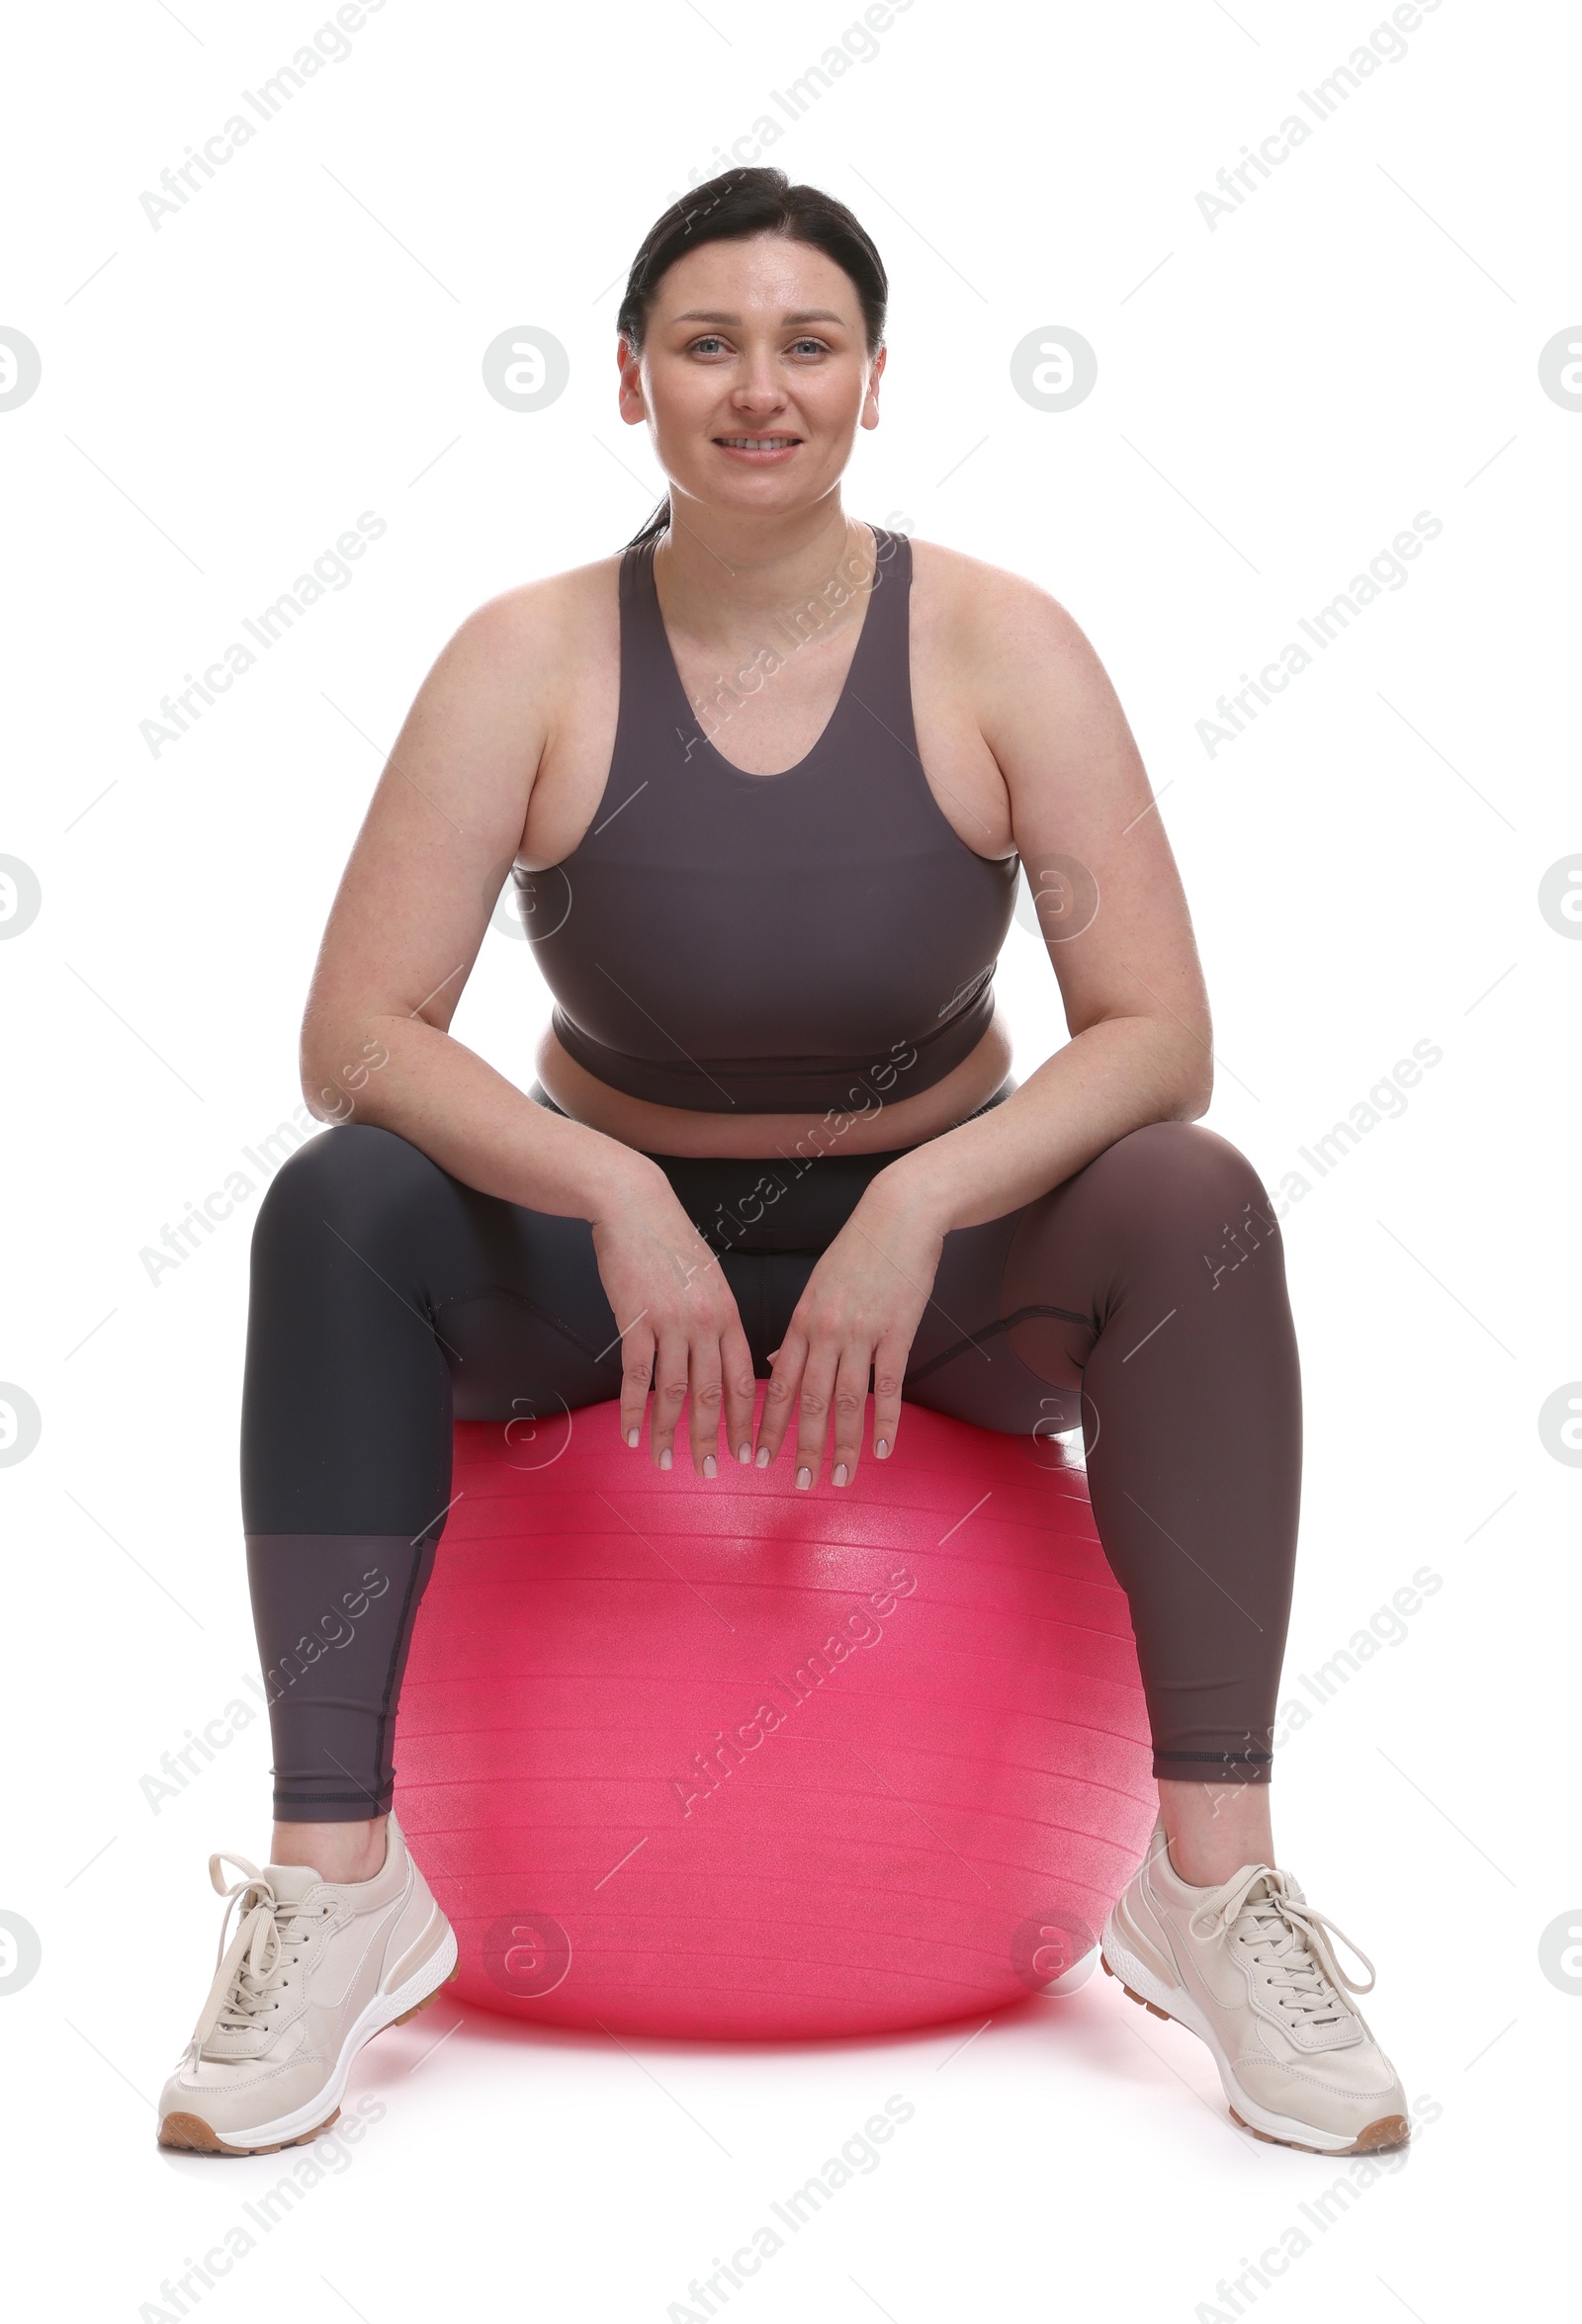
(969, 600)
(546, 615)
(514, 663)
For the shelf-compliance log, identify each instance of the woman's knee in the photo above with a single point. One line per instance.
(1187, 1178)
(358, 1179)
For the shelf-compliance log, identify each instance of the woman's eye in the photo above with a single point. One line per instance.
(711, 341)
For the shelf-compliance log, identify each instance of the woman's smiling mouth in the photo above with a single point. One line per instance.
(758, 449)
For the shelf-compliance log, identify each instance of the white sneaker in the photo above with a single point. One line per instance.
(1247, 1968)
(315, 1970)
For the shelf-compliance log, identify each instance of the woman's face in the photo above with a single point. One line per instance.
(756, 339)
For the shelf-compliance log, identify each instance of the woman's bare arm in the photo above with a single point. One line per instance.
(1120, 944)
(413, 906)
(1135, 1003)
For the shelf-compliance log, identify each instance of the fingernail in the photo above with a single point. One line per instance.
(710, 1465)
(664, 1458)
(746, 1454)
(763, 1456)
(631, 1438)
(841, 1473)
(881, 1448)
(804, 1478)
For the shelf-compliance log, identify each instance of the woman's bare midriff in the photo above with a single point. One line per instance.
(673, 1129)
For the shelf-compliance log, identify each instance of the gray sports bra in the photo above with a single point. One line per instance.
(774, 943)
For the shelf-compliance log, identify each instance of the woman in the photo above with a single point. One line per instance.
(774, 1136)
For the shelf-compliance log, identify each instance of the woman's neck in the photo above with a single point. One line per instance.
(716, 581)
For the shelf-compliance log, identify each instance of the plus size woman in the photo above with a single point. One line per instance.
(763, 780)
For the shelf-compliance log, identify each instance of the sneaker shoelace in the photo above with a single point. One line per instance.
(251, 1968)
(1286, 1939)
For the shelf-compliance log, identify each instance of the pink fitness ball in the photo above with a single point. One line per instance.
(720, 1760)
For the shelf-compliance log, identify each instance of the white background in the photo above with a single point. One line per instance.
(1276, 398)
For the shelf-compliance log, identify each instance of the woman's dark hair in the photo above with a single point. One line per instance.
(727, 209)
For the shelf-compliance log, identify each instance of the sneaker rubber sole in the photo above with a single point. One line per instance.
(1389, 2130)
(191, 2134)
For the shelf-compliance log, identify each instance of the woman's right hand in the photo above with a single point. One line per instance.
(671, 1303)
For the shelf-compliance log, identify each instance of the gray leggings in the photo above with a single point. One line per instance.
(1143, 1300)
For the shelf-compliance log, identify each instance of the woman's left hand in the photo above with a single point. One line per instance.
(861, 1307)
